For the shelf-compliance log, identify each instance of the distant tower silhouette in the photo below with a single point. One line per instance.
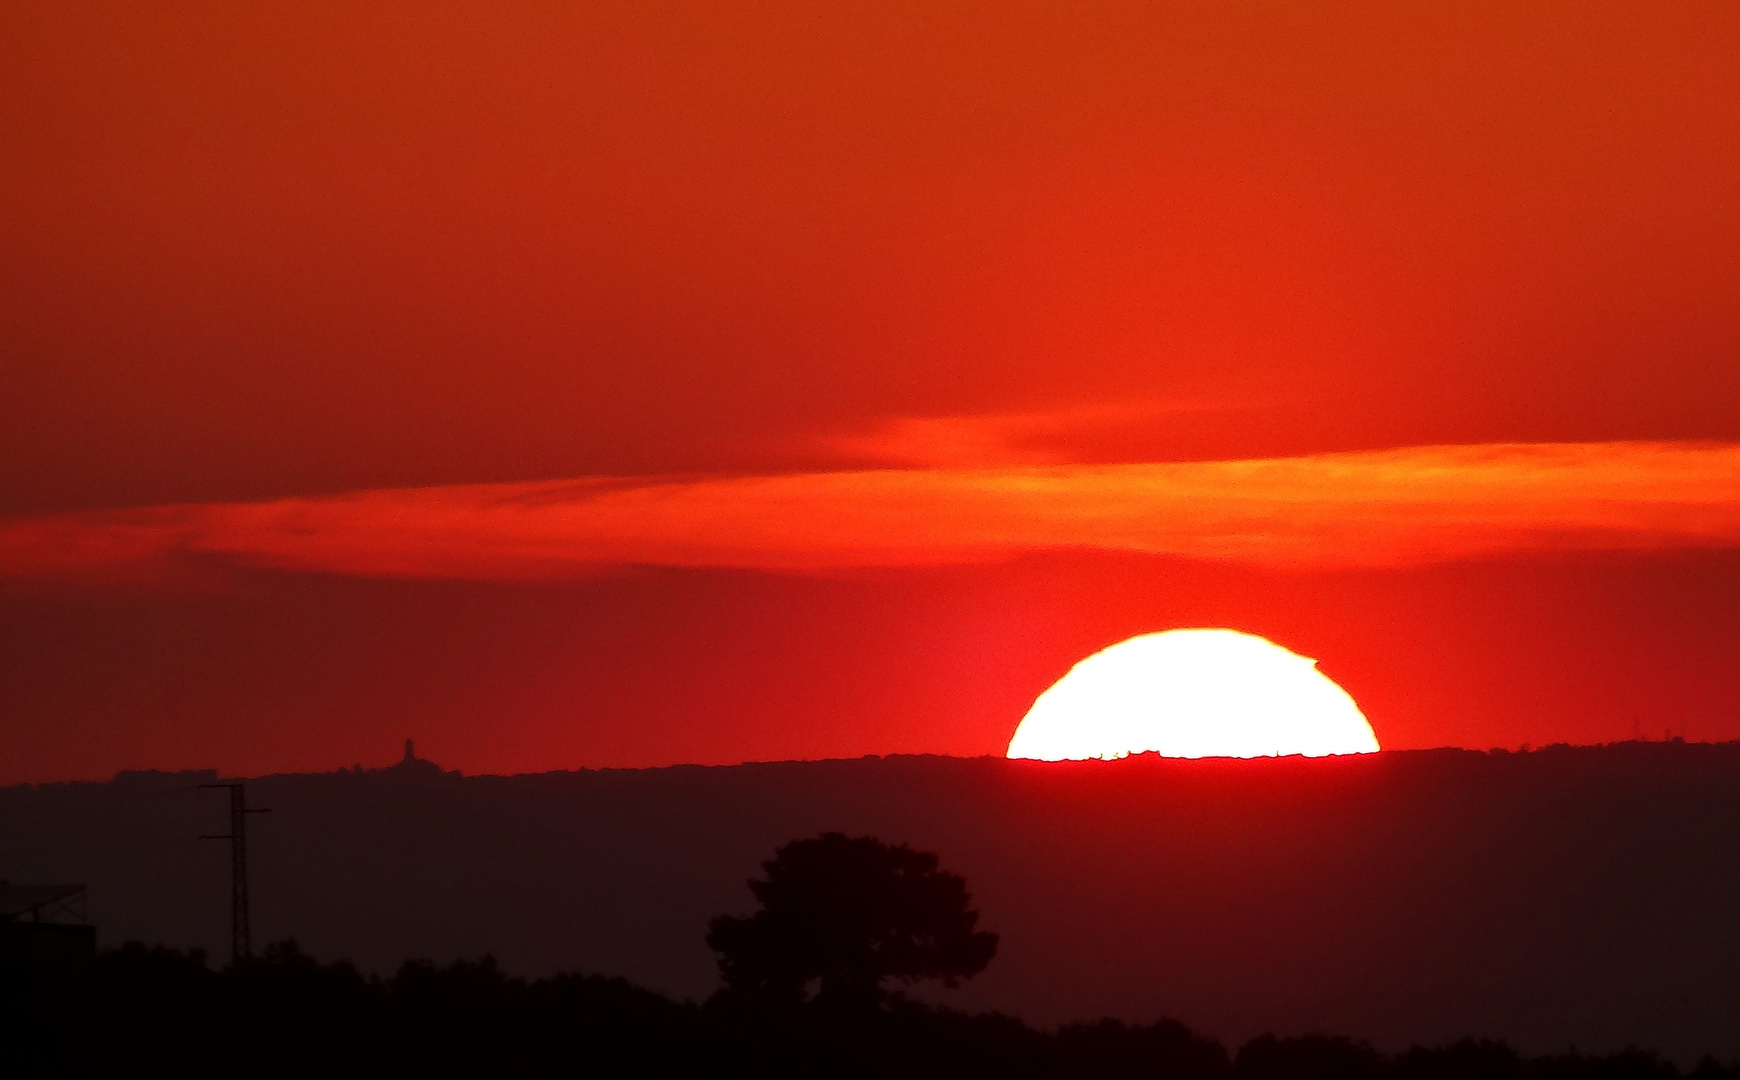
(412, 765)
(240, 945)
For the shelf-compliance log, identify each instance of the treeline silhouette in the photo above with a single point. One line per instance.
(157, 1011)
(806, 994)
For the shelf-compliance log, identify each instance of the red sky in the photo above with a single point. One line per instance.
(598, 385)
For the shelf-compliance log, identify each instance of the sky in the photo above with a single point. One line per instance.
(602, 385)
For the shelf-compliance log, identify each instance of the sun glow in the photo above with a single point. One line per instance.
(1192, 694)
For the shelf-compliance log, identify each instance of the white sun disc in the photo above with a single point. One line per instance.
(1192, 694)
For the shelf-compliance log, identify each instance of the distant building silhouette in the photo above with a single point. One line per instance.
(412, 765)
(44, 932)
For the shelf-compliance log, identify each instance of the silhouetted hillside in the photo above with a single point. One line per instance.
(160, 1012)
(1571, 895)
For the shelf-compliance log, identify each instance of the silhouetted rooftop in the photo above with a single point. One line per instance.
(18, 901)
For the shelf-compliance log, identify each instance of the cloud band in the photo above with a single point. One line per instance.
(1396, 507)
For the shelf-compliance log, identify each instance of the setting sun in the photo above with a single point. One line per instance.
(1192, 694)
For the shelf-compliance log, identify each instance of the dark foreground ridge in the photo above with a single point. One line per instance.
(1572, 896)
(153, 1011)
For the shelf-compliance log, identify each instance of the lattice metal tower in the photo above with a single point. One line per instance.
(241, 947)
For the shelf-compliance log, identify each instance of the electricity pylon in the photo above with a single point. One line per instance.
(240, 946)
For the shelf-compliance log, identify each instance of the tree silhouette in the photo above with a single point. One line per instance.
(845, 914)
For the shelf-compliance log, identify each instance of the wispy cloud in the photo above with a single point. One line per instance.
(1418, 505)
(996, 440)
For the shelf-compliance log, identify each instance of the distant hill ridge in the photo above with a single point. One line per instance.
(1579, 895)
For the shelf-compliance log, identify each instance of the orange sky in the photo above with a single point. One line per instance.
(254, 257)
